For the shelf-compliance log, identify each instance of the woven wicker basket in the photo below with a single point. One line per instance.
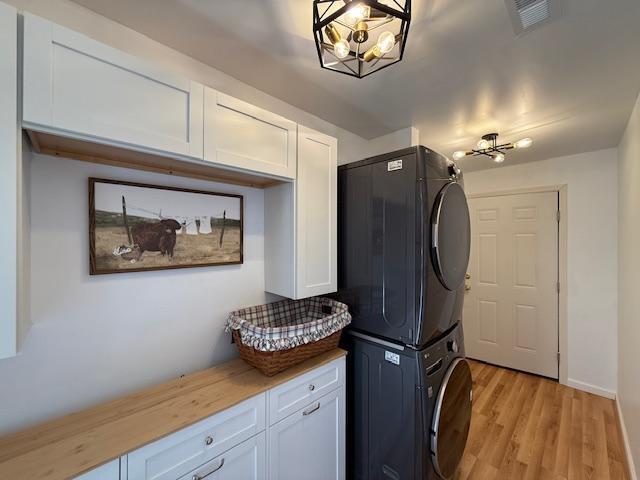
(271, 363)
(276, 336)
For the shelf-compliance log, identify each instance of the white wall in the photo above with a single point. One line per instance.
(592, 254)
(359, 149)
(94, 338)
(628, 281)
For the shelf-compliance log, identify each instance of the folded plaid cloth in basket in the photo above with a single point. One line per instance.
(288, 323)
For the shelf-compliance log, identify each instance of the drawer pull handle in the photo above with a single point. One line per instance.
(197, 476)
(208, 440)
(312, 409)
(312, 387)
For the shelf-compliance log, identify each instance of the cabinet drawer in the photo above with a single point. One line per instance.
(295, 394)
(189, 448)
(246, 461)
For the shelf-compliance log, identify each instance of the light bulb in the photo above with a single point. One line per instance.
(482, 144)
(357, 13)
(498, 157)
(341, 48)
(459, 154)
(373, 52)
(524, 143)
(386, 42)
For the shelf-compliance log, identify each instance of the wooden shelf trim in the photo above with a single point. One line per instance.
(87, 151)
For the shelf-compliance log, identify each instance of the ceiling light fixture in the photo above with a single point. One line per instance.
(489, 147)
(359, 37)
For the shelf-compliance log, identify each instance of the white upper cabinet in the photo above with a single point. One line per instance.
(301, 223)
(76, 86)
(14, 193)
(243, 136)
(316, 225)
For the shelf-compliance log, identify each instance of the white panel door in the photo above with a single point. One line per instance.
(76, 86)
(300, 222)
(246, 137)
(511, 307)
(316, 192)
(310, 444)
(246, 461)
(9, 180)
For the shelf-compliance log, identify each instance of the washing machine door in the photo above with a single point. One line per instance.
(451, 419)
(451, 236)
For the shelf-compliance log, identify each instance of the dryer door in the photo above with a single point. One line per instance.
(451, 235)
(451, 419)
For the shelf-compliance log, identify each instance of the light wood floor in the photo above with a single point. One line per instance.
(528, 427)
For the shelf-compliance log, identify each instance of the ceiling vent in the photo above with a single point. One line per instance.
(529, 14)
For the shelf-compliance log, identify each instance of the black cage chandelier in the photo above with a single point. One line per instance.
(359, 37)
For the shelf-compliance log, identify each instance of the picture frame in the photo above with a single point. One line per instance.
(136, 227)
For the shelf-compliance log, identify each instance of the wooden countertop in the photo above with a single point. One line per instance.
(71, 445)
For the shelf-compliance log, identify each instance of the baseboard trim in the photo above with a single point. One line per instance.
(587, 387)
(625, 439)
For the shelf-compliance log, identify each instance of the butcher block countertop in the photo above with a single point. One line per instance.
(69, 446)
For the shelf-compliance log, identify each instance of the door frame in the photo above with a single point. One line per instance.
(562, 191)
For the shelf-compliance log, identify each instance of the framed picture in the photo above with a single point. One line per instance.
(135, 227)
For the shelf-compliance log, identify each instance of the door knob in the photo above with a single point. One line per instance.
(467, 276)
(467, 287)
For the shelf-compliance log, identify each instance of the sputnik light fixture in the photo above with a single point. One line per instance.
(359, 37)
(489, 146)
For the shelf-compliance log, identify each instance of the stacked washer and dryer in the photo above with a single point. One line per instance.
(404, 240)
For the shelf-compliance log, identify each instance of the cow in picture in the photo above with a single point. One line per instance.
(156, 237)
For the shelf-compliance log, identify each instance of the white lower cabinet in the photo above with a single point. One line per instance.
(246, 461)
(309, 444)
(295, 431)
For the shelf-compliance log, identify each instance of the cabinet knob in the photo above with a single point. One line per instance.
(312, 387)
(208, 440)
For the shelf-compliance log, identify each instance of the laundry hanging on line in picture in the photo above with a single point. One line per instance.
(191, 225)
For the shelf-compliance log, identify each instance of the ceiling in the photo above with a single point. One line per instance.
(570, 83)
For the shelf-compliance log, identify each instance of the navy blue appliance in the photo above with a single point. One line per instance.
(403, 250)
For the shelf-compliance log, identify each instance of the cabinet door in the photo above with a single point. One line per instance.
(246, 461)
(246, 137)
(108, 471)
(9, 180)
(76, 86)
(309, 444)
(300, 223)
(316, 226)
